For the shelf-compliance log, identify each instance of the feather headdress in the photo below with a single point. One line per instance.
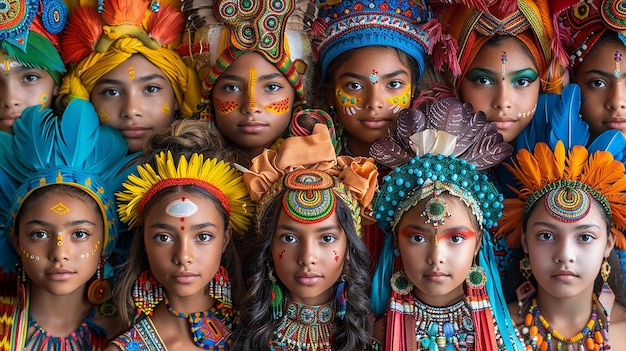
(71, 150)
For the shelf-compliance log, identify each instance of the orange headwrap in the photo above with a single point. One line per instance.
(130, 27)
(530, 22)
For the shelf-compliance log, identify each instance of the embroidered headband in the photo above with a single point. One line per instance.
(100, 36)
(307, 173)
(215, 176)
(350, 24)
(29, 33)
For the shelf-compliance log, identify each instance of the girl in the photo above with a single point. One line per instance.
(32, 65)
(59, 175)
(177, 279)
(309, 286)
(127, 67)
(253, 71)
(571, 208)
(435, 208)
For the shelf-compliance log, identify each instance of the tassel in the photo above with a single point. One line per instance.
(276, 301)
(341, 300)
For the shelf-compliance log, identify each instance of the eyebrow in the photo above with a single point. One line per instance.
(141, 79)
(294, 229)
(241, 79)
(580, 226)
(384, 76)
(424, 230)
(70, 223)
(604, 74)
(509, 74)
(193, 227)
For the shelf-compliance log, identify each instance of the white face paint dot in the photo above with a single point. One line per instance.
(181, 208)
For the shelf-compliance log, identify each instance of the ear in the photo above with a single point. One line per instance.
(524, 244)
(227, 234)
(55, 91)
(479, 241)
(610, 243)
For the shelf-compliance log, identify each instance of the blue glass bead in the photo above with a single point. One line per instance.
(386, 178)
(390, 212)
(399, 181)
(408, 185)
(420, 181)
(481, 195)
(410, 170)
(477, 187)
(412, 161)
(440, 157)
(487, 214)
(401, 193)
(464, 184)
(463, 172)
(389, 189)
(394, 203)
(496, 204)
(442, 178)
(437, 167)
(454, 177)
(426, 164)
(490, 197)
(428, 174)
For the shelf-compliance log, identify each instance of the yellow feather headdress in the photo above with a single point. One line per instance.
(599, 174)
(216, 176)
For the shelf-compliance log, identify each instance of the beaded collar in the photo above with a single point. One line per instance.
(450, 326)
(88, 336)
(210, 329)
(305, 327)
(539, 334)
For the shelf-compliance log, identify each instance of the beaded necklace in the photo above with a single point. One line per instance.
(443, 328)
(539, 335)
(305, 327)
(210, 329)
(89, 336)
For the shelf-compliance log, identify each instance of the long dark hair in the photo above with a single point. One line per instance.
(352, 333)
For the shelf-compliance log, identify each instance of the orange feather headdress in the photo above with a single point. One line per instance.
(543, 170)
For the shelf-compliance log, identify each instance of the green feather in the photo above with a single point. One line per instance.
(40, 53)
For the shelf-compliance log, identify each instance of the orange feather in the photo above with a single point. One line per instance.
(166, 26)
(83, 30)
(124, 11)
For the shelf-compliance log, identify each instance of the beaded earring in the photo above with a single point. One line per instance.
(342, 300)
(100, 290)
(276, 295)
(525, 291)
(400, 283)
(219, 288)
(606, 297)
(147, 292)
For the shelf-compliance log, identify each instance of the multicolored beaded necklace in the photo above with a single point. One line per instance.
(88, 336)
(539, 335)
(210, 329)
(443, 328)
(305, 327)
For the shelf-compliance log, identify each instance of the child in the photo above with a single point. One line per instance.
(505, 60)
(32, 65)
(309, 286)
(178, 277)
(123, 61)
(59, 175)
(571, 209)
(436, 208)
(254, 76)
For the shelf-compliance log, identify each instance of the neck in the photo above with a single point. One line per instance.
(191, 304)
(566, 315)
(60, 315)
(357, 148)
(440, 300)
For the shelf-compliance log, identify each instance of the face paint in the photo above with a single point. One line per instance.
(618, 64)
(181, 208)
(528, 113)
(131, 73)
(280, 255)
(43, 99)
(92, 252)
(7, 64)
(336, 258)
(348, 102)
(503, 59)
(60, 209)
(466, 234)
(59, 239)
(103, 115)
(251, 86)
(28, 255)
(436, 211)
(567, 204)
(403, 100)
(374, 76)
(166, 109)
(278, 107)
(225, 107)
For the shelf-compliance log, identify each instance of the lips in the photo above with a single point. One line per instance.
(252, 127)
(376, 123)
(308, 278)
(60, 274)
(616, 123)
(185, 277)
(503, 122)
(436, 276)
(564, 275)
(132, 133)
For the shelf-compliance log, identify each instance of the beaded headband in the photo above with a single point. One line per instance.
(29, 33)
(217, 177)
(309, 198)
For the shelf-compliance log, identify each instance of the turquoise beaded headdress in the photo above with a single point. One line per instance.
(73, 150)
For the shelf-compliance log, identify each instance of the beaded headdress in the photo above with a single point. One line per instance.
(215, 176)
(72, 150)
(585, 21)
(310, 178)
(100, 36)
(441, 148)
(527, 20)
(29, 33)
(221, 30)
(350, 24)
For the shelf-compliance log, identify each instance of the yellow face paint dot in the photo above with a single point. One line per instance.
(131, 73)
(103, 115)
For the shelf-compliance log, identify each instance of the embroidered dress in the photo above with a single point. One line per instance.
(142, 336)
(305, 328)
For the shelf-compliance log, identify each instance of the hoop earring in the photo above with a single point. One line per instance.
(342, 300)
(147, 293)
(220, 287)
(99, 290)
(400, 283)
(606, 296)
(276, 294)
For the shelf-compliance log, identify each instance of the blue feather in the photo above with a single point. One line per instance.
(79, 127)
(612, 141)
(565, 122)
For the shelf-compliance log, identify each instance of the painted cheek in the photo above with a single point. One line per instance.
(225, 107)
(349, 103)
(278, 107)
(403, 100)
(280, 255)
(336, 258)
(166, 109)
(92, 253)
(43, 99)
(103, 115)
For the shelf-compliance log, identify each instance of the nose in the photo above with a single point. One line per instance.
(59, 249)
(308, 254)
(184, 253)
(435, 254)
(566, 253)
(374, 99)
(502, 100)
(616, 99)
(132, 106)
(9, 95)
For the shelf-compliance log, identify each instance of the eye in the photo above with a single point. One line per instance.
(39, 235)
(457, 238)
(522, 82)
(231, 88)
(354, 86)
(205, 237)
(396, 84)
(80, 235)
(30, 78)
(163, 238)
(110, 92)
(597, 83)
(329, 239)
(545, 236)
(481, 80)
(586, 237)
(273, 87)
(288, 238)
(151, 89)
(417, 238)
